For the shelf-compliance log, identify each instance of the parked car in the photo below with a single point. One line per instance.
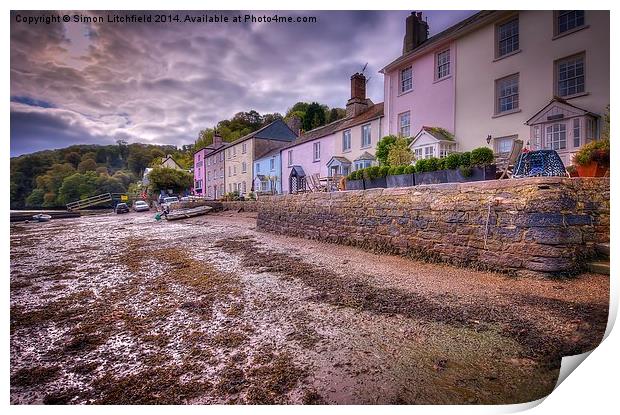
(169, 201)
(141, 206)
(121, 208)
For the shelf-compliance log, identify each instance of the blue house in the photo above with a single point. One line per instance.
(267, 173)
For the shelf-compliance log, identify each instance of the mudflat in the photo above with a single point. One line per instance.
(121, 309)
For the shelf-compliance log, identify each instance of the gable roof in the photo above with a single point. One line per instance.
(169, 157)
(557, 102)
(439, 134)
(365, 156)
(373, 112)
(451, 33)
(339, 159)
(276, 130)
(211, 147)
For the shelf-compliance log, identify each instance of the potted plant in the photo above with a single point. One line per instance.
(592, 160)
(471, 166)
(430, 171)
(375, 177)
(355, 181)
(401, 176)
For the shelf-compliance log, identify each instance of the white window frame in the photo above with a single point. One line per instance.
(366, 131)
(507, 94)
(290, 158)
(576, 132)
(429, 151)
(316, 151)
(346, 141)
(244, 167)
(406, 79)
(507, 43)
(559, 14)
(272, 163)
(503, 145)
(578, 65)
(554, 136)
(402, 126)
(442, 64)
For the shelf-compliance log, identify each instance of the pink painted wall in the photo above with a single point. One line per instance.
(303, 156)
(431, 102)
(199, 170)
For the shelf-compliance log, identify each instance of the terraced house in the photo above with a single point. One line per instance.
(209, 169)
(337, 148)
(241, 153)
(539, 76)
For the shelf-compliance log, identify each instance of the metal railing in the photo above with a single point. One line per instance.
(89, 201)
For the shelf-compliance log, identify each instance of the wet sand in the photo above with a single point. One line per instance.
(122, 309)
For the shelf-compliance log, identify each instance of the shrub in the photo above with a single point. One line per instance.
(399, 153)
(441, 164)
(420, 165)
(399, 170)
(452, 161)
(465, 159)
(392, 171)
(410, 169)
(383, 171)
(383, 148)
(482, 156)
(433, 164)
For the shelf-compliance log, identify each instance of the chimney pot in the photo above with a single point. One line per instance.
(416, 32)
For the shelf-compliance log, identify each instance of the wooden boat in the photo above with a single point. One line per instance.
(187, 213)
(41, 217)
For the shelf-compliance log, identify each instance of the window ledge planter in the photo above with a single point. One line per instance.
(591, 170)
(431, 177)
(400, 180)
(478, 173)
(378, 182)
(355, 184)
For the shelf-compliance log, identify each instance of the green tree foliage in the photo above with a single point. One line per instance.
(73, 158)
(335, 114)
(399, 153)
(383, 148)
(46, 170)
(87, 164)
(78, 186)
(314, 117)
(162, 178)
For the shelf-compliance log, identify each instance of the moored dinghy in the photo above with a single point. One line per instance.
(187, 213)
(41, 217)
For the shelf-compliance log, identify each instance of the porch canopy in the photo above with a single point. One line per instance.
(297, 180)
(338, 165)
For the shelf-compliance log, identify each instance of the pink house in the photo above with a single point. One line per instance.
(419, 86)
(205, 160)
(339, 147)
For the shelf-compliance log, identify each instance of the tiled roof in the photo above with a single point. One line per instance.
(365, 156)
(460, 28)
(375, 111)
(439, 133)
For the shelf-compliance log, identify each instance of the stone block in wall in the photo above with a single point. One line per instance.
(553, 236)
(539, 219)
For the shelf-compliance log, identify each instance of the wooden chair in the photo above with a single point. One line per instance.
(509, 162)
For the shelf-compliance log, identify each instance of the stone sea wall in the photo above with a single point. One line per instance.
(540, 225)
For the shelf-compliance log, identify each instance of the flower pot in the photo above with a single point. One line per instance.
(355, 184)
(431, 177)
(400, 180)
(591, 170)
(478, 173)
(375, 183)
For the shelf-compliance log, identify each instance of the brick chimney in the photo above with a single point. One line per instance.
(358, 103)
(217, 139)
(416, 32)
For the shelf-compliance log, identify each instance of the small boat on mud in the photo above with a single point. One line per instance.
(187, 213)
(41, 217)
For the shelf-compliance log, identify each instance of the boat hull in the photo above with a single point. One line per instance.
(188, 213)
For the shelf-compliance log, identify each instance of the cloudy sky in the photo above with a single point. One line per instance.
(74, 83)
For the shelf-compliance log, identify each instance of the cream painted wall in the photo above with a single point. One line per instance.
(356, 141)
(236, 160)
(477, 71)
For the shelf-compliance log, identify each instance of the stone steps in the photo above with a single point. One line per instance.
(603, 250)
(599, 267)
